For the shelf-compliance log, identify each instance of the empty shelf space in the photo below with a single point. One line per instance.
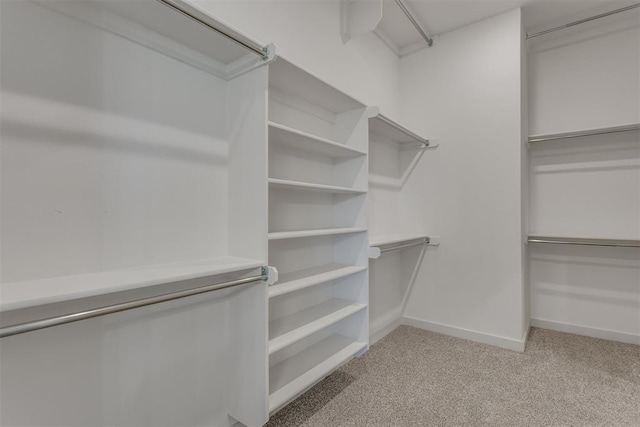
(389, 239)
(301, 279)
(16, 295)
(294, 375)
(296, 185)
(583, 133)
(280, 235)
(291, 78)
(290, 329)
(390, 131)
(291, 137)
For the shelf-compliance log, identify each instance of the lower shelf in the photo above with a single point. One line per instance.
(290, 329)
(294, 375)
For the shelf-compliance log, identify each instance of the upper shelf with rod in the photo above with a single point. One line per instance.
(584, 133)
(582, 241)
(385, 129)
(176, 28)
(582, 21)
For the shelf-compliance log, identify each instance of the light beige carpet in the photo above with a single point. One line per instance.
(418, 378)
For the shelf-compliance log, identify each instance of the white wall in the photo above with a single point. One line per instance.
(586, 187)
(307, 32)
(466, 90)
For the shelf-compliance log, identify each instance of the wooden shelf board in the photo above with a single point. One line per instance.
(280, 235)
(290, 137)
(301, 279)
(294, 375)
(291, 329)
(16, 295)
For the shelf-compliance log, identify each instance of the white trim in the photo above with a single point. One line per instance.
(481, 337)
(587, 331)
(525, 333)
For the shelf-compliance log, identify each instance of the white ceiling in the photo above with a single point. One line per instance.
(440, 16)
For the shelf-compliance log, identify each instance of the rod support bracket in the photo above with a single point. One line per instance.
(270, 274)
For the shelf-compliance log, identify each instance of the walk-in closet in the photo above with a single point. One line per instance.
(234, 213)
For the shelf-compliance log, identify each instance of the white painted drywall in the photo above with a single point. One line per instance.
(586, 187)
(308, 33)
(466, 90)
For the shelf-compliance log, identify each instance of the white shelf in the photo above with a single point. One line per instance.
(291, 329)
(281, 235)
(390, 131)
(171, 31)
(291, 78)
(296, 185)
(584, 133)
(294, 375)
(17, 295)
(290, 137)
(301, 279)
(395, 238)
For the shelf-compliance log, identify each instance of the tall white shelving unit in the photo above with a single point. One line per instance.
(318, 311)
(397, 249)
(133, 164)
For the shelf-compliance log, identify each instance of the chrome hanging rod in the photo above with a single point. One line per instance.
(582, 21)
(35, 325)
(424, 35)
(425, 241)
(590, 132)
(207, 21)
(584, 241)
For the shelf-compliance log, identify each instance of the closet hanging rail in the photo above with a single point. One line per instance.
(584, 241)
(425, 241)
(216, 26)
(582, 21)
(35, 325)
(424, 35)
(590, 132)
(425, 142)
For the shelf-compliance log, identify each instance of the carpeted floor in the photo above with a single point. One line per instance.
(418, 378)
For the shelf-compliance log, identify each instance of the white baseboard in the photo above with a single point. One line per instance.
(586, 331)
(495, 340)
(525, 332)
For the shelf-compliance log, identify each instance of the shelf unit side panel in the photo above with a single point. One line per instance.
(248, 190)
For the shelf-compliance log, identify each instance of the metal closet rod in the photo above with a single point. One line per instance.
(418, 138)
(622, 243)
(425, 241)
(578, 134)
(424, 35)
(582, 21)
(35, 325)
(216, 26)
